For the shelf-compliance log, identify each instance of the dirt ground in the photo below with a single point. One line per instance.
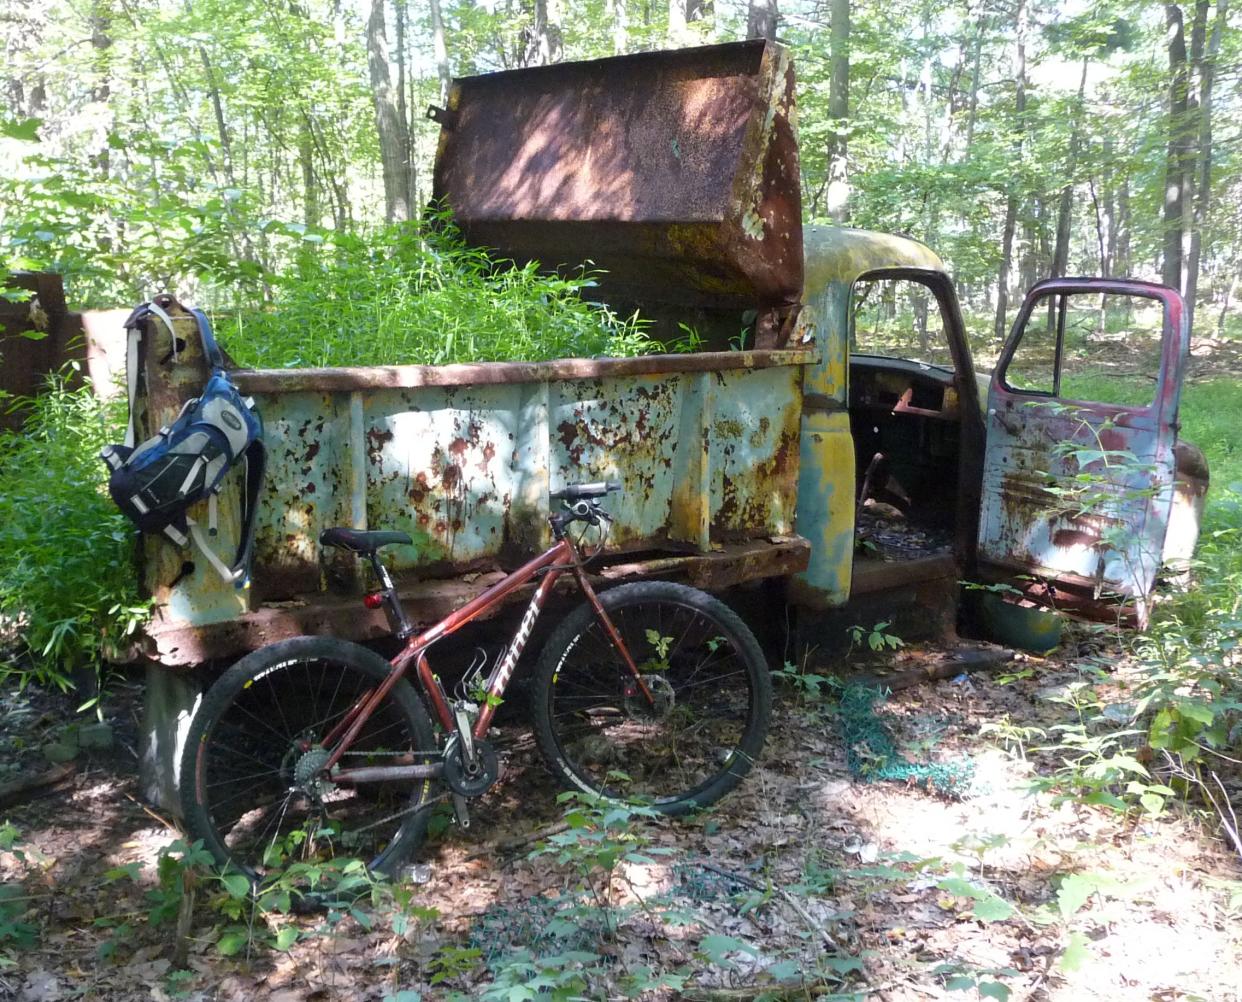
(847, 888)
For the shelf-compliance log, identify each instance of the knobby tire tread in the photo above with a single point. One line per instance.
(224, 692)
(648, 592)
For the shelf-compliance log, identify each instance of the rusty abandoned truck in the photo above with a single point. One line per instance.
(761, 459)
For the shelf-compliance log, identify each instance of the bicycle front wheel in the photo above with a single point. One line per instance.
(252, 786)
(687, 740)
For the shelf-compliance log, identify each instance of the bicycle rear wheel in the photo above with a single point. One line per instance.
(706, 722)
(250, 783)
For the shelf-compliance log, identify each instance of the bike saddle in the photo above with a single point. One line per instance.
(359, 540)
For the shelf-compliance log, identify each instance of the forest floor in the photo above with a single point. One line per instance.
(807, 882)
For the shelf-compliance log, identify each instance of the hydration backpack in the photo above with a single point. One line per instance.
(155, 482)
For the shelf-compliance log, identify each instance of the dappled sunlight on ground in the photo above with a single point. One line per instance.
(881, 889)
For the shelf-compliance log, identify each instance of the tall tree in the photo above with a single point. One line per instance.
(1203, 183)
(618, 11)
(1175, 172)
(1011, 203)
(761, 18)
(394, 139)
(839, 112)
(439, 48)
(1065, 204)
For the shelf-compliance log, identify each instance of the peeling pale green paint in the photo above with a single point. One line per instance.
(826, 504)
(840, 254)
(835, 257)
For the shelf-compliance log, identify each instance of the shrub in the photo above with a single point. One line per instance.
(416, 294)
(68, 588)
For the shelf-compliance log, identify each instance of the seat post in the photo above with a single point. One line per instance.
(392, 604)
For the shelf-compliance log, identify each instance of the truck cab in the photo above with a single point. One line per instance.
(918, 471)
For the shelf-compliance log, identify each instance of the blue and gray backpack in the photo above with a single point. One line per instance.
(156, 482)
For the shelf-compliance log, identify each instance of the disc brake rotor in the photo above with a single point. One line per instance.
(659, 706)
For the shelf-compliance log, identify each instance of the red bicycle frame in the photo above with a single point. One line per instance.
(561, 557)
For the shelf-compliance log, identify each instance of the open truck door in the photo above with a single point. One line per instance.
(1077, 495)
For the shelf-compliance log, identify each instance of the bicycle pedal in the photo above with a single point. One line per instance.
(460, 812)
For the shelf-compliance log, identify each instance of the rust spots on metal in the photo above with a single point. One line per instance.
(676, 173)
(377, 438)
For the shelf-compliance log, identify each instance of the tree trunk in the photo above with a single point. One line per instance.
(1122, 265)
(677, 33)
(839, 113)
(1228, 301)
(439, 48)
(1065, 207)
(1109, 258)
(101, 95)
(1203, 186)
(1029, 264)
(310, 191)
(390, 126)
(761, 17)
(618, 10)
(1011, 205)
(546, 42)
(403, 106)
(1175, 164)
(976, 60)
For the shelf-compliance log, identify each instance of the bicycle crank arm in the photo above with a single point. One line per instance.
(387, 773)
(460, 812)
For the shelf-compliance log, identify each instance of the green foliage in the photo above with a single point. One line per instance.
(15, 931)
(810, 687)
(876, 637)
(68, 584)
(1180, 724)
(416, 294)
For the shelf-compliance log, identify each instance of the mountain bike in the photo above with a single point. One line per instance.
(316, 748)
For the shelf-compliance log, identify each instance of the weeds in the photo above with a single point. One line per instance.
(68, 585)
(417, 294)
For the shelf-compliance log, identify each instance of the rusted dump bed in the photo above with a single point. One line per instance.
(463, 459)
(674, 172)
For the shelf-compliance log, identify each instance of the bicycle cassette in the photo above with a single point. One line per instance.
(465, 780)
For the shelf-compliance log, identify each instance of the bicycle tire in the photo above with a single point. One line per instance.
(597, 738)
(253, 715)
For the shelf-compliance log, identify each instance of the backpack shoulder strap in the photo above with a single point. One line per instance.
(215, 357)
(133, 340)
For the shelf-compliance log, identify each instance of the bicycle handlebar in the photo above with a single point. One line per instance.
(575, 491)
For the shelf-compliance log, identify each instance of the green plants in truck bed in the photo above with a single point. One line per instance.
(417, 295)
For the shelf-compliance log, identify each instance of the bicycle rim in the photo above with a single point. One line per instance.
(256, 798)
(697, 734)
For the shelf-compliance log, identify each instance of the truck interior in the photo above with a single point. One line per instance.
(910, 415)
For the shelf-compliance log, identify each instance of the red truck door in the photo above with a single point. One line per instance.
(1076, 494)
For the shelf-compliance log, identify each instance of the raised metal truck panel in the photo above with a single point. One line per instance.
(675, 173)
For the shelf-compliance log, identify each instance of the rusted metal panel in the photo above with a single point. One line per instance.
(395, 377)
(36, 339)
(1189, 495)
(1046, 456)
(175, 643)
(676, 173)
(464, 462)
(755, 464)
